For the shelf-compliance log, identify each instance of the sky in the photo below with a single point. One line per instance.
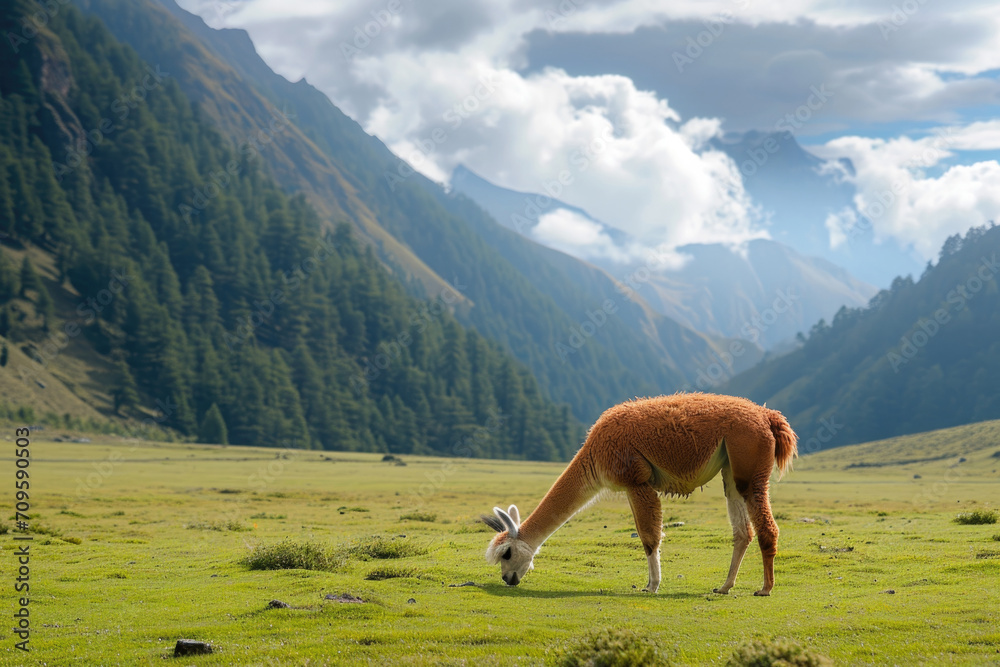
(611, 105)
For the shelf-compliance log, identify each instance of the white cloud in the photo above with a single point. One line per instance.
(897, 198)
(627, 155)
(595, 142)
(574, 234)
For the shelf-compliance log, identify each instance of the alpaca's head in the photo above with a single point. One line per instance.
(514, 554)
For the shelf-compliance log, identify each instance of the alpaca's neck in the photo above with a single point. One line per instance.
(568, 495)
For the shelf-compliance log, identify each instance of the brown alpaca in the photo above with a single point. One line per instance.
(668, 444)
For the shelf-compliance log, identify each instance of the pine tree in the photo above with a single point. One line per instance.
(29, 278)
(213, 427)
(6, 322)
(126, 393)
(45, 307)
(10, 284)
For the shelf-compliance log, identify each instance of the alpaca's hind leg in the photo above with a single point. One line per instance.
(739, 518)
(759, 504)
(648, 515)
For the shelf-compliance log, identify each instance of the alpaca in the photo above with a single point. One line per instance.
(667, 444)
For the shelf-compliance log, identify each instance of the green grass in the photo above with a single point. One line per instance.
(429, 517)
(235, 526)
(378, 547)
(780, 653)
(292, 555)
(611, 647)
(140, 579)
(977, 518)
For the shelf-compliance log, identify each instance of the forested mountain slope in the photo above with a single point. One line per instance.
(346, 172)
(247, 320)
(922, 355)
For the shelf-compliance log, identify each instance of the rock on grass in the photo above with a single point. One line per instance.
(191, 647)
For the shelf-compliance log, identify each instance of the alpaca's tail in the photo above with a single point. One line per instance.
(785, 441)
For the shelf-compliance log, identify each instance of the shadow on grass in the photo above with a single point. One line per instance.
(519, 591)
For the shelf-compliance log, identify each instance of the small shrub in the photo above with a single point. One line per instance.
(4, 529)
(391, 572)
(996, 538)
(345, 508)
(419, 516)
(610, 648)
(976, 518)
(71, 513)
(72, 540)
(221, 526)
(777, 653)
(290, 555)
(265, 515)
(381, 548)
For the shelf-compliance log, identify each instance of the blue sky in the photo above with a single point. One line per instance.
(615, 102)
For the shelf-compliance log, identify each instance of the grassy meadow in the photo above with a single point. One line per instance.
(139, 544)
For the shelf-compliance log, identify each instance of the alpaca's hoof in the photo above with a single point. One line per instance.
(721, 591)
(762, 593)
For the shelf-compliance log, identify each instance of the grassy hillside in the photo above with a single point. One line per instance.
(871, 567)
(923, 355)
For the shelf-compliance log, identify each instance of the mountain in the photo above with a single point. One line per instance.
(248, 321)
(411, 223)
(764, 296)
(922, 355)
(787, 181)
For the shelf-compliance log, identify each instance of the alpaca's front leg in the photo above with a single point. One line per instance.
(649, 524)
(654, 572)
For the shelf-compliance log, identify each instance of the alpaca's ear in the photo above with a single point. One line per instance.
(507, 521)
(514, 514)
(493, 522)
